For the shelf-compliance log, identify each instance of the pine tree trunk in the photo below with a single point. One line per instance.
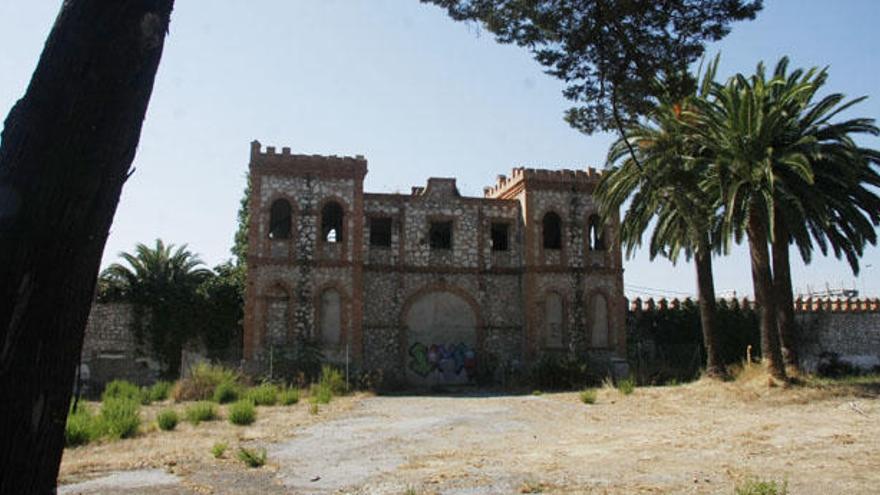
(762, 280)
(66, 150)
(783, 294)
(706, 295)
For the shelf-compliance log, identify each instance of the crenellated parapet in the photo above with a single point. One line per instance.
(539, 178)
(288, 163)
(801, 305)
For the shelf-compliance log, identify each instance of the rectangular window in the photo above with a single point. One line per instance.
(441, 235)
(500, 238)
(380, 232)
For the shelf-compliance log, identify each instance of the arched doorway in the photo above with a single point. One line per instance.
(441, 339)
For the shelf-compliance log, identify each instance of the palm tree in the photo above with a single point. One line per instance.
(164, 281)
(655, 165)
(836, 209)
(750, 129)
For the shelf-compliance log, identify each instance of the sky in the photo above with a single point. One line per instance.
(418, 95)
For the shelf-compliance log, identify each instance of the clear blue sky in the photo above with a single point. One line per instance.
(416, 93)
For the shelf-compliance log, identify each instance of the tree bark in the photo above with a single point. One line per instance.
(67, 147)
(762, 280)
(706, 296)
(783, 293)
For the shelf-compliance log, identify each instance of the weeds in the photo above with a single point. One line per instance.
(242, 412)
(218, 449)
(332, 379)
(313, 409)
(252, 457)
(202, 382)
(121, 389)
(588, 396)
(263, 395)
(760, 487)
(119, 418)
(158, 392)
(80, 427)
(201, 411)
(227, 392)
(320, 394)
(289, 396)
(167, 419)
(626, 386)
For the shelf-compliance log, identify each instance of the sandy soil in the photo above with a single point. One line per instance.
(698, 438)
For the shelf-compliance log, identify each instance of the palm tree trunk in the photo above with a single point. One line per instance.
(783, 293)
(65, 153)
(762, 280)
(706, 295)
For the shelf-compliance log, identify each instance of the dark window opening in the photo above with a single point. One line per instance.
(596, 234)
(279, 219)
(441, 235)
(380, 232)
(552, 231)
(331, 222)
(500, 238)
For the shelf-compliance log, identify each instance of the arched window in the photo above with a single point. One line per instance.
(277, 315)
(279, 219)
(553, 320)
(596, 234)
(330, 317)
(552, 231)
(331, 222)
(599, 318)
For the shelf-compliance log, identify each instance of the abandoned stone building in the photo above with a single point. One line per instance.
(424, 285)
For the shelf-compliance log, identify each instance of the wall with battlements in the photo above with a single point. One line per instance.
(845, 329)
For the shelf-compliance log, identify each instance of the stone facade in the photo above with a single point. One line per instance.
(425, 285)
(111, 350)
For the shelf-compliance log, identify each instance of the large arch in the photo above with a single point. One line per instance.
(599, 319)
(440, 336)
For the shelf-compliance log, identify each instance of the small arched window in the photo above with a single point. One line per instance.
(279, 219)
(596, 234)
(331, 222)
(552, 231)
(599, 316)
(330, 317)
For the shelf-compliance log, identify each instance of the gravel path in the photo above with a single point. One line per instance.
(671, 440)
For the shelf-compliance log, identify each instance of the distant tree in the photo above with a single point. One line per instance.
(165, 282)
(66, 150)
(608, 52)
(663, 183)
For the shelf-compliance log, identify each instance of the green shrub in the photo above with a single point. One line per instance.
(167, 419)
(119, 418)
(263, 395)
(552, 372)
(80, 427)
(626, 386)
(289, 396)
(252, 457)
(227, 392)
(320, 393)
(121, 389)
(159, 391)
(588, 396)
(218, 449)
(333, 379)
(202, 381)
(313, 408)
(759, 487)
(201, 411)
(242, 412)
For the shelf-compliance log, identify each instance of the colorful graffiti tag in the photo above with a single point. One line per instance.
(450, 360)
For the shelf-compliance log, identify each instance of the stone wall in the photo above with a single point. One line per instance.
(845, 329)
(111, 350)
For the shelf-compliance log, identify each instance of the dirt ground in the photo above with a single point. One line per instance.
(698, 438)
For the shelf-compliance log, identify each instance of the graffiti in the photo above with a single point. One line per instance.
(450, 361)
